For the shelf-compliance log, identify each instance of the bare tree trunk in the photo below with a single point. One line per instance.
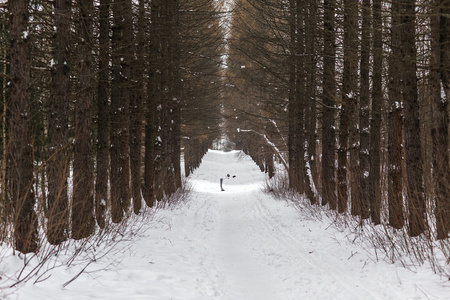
(362, 208)
(440, 75)
(83, 220)
(136, 108)
(413, 153)
(101, 182)
(151, 109)
(294, 181)
(300, 96)
(312, 92)
(175, 95)
(121, 52)
(349, 106)
(5, 207)
(352, 86)
(374, 188)
(395, 128)
(328, 131)
(58, 164)
(22, 194)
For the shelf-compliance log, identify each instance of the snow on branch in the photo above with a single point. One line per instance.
(271, 144)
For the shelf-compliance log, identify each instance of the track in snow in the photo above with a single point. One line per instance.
(240, 244)
(260, 245)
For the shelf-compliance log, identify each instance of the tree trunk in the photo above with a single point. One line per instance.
(83, 221)
(395, 130)
(5, 205)
(440, 75)
(328, 131)
(352, 86)
(101, 182)
(374, 188)
(136, 107)
(312, 93)
(21, 141)
(362, 208)
(58, 164)
(294, 182)
(121, 53)
(413, 153)
(150, 158)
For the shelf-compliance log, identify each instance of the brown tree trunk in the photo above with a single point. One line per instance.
(136, 109)
(294, 181)
(362, 208)
(121, 53)
(374, 188)
(58, 164)
(440, 75)
(101, 182)
(300, 97)
(395, 128)
(328, 131)
(352, 95)
(312, 93)
(5, 205)
(83, 221)
(150, 159)
(175, 93)
(22, 195)
(348, 112)
(413, 153)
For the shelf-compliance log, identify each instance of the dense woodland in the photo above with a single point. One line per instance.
(98, 99)
(101, 99)
(356, 92)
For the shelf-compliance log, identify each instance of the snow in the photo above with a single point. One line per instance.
(236, 244)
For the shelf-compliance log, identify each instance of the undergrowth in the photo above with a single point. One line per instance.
(382, 241)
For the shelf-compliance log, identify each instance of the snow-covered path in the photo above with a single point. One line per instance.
(240, 244)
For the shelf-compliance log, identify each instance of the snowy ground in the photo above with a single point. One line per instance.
(236, 244)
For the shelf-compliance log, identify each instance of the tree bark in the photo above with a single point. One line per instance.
(440, 77)
(328, 130)
(395, 127)
(121, 53)
(83, 220)
(21, 141)
(58, 164)
(136, 108)
(413, 152)
(362, 208)
(374, 188)
(101, 182)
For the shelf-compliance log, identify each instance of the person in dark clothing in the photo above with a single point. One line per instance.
(222, 179)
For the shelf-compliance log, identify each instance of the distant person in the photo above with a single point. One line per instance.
(222, 179)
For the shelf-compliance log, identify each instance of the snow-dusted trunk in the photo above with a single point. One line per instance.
(121, 53)
(311, 117)
(58, 164)
(440, 76)
(413, 152)
(373, 201)
(395, 140)
(292, 106)
(21, 142)
(136, 109)
(102, 171)
(362, 208)
(5, 206)
(83, 221)
(328, 125)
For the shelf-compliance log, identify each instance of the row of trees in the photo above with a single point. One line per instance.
(98, 98)
(356, 93)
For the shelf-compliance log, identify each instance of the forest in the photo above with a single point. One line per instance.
(108, 105)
